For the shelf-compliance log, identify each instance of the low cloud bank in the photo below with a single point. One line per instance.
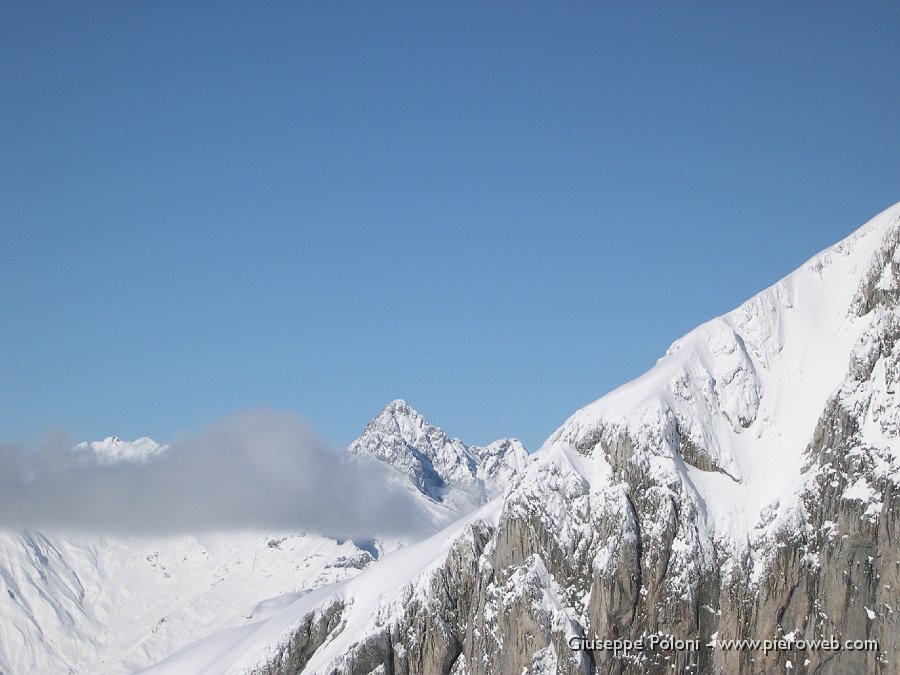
(251, 470)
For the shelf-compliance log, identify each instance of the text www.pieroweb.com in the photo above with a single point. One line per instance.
(662, 643)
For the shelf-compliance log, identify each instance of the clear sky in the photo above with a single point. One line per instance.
(497, 211)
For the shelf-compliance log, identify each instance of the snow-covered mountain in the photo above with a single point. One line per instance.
(93, 604)
(113, 449)
(83, 603)
(441, 468)
(745, 487)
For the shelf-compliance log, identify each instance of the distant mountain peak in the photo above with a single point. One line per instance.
(399, 406)
(437, 465)
(113, 449)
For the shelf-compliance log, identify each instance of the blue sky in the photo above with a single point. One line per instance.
(497, 211)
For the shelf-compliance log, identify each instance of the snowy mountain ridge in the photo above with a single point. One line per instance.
(78, 603)
(441, 468)
(742, 393)
(745, 487)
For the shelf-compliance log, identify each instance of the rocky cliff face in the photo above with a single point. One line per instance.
(746, 487)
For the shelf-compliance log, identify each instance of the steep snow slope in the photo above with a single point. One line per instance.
(358, 607)
(745, 487)
(738, 398)
(87, 603)
(90, 604)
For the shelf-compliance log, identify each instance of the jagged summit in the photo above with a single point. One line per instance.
(437, 465)
(400, 407)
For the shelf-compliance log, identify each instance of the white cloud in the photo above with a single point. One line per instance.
(252, 470)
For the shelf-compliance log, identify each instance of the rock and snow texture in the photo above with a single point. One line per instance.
(441, 468)
(745, 487)
(101, 604)
(499, 462)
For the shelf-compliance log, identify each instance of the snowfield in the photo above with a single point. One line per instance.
(88, 604)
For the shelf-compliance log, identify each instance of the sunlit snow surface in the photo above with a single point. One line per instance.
(87, 603)
(114, 605)
(745, 389)
(749, 386)
(371, 593)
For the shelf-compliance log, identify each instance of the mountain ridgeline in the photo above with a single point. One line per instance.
(82, 602)
(441, 468)
(746, 487)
